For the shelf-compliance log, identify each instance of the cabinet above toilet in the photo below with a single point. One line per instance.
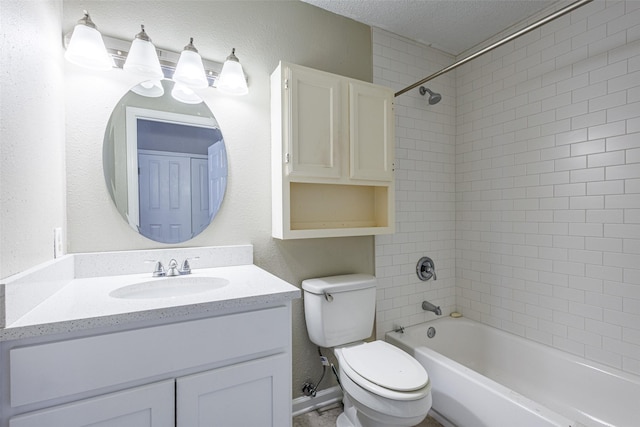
(332, 155)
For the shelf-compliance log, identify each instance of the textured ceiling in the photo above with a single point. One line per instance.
(453, 26)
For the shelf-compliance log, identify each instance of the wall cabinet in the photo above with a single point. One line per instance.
(231, 370)
(332, 155)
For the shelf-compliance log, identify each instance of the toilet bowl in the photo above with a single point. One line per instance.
(382, 385)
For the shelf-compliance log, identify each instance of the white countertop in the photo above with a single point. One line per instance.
(85, 303)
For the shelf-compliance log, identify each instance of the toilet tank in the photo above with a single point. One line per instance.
(339, 309)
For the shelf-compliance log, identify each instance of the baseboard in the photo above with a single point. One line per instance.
(304, 404)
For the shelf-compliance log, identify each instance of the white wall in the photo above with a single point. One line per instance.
(32, 188)
(548, 183)
(425, 185)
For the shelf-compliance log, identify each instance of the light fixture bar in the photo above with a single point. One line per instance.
(118, 49)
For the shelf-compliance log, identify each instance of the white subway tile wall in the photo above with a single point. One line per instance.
(425, 185)
(547, 185)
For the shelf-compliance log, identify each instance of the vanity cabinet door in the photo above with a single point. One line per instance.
(371, 132)
(255, 393)
(315, 133)
(147, 406)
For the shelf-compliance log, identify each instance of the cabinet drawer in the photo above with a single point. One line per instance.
(46, 371)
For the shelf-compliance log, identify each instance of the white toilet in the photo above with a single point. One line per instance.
(382, 385)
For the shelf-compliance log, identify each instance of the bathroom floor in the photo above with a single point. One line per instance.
(326, 417)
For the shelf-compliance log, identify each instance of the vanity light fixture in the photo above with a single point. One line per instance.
(232, 79)
(142, 57)
(190, 70)
(86, 47)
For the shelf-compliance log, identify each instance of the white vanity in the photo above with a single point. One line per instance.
(111, 351)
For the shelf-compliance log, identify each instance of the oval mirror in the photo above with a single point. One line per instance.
(164, 161)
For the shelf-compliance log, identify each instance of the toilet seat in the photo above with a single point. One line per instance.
(385, 370)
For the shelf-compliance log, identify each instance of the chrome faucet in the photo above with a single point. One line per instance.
(173, 268)
(427, 306)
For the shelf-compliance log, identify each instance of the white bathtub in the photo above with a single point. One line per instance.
(484, 377)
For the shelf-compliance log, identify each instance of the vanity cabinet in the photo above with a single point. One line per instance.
(332, 155)
(228, 370)
(239, 395)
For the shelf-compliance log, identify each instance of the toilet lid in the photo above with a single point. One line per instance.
(386, 365)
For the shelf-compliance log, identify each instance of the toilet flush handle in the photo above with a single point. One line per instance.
(328, 296)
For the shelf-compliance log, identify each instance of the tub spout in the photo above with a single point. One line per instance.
(427, 306)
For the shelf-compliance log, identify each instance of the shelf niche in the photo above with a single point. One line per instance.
(335, 206)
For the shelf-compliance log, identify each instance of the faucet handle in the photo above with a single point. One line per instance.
(186, 267)
(158, 270)
(426, 269)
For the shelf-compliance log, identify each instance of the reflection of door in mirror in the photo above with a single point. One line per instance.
(217, 163)
(165, 196)
(169, 174)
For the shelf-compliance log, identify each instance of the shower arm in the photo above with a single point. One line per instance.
(507, 39)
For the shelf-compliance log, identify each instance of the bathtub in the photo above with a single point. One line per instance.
(484, 377)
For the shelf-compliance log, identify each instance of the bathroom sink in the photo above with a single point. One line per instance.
(167, 287)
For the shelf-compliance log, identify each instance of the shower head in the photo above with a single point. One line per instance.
(434, 98)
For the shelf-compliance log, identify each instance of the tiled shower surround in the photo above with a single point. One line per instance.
(543, 239)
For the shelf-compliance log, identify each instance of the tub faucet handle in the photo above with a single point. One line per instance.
(426, 269)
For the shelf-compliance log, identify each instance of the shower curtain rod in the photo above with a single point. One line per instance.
(507, 39)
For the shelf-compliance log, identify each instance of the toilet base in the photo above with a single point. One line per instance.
(343, 421)
(351, 417)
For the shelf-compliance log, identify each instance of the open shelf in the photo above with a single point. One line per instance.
(329, 206)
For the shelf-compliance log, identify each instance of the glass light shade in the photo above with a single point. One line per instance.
(190, 71)
(86, 49)
(184, 94)
(232, 79)
(149, 88)
(142, 59)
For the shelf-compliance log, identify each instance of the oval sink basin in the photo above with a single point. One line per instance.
(167, 287)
